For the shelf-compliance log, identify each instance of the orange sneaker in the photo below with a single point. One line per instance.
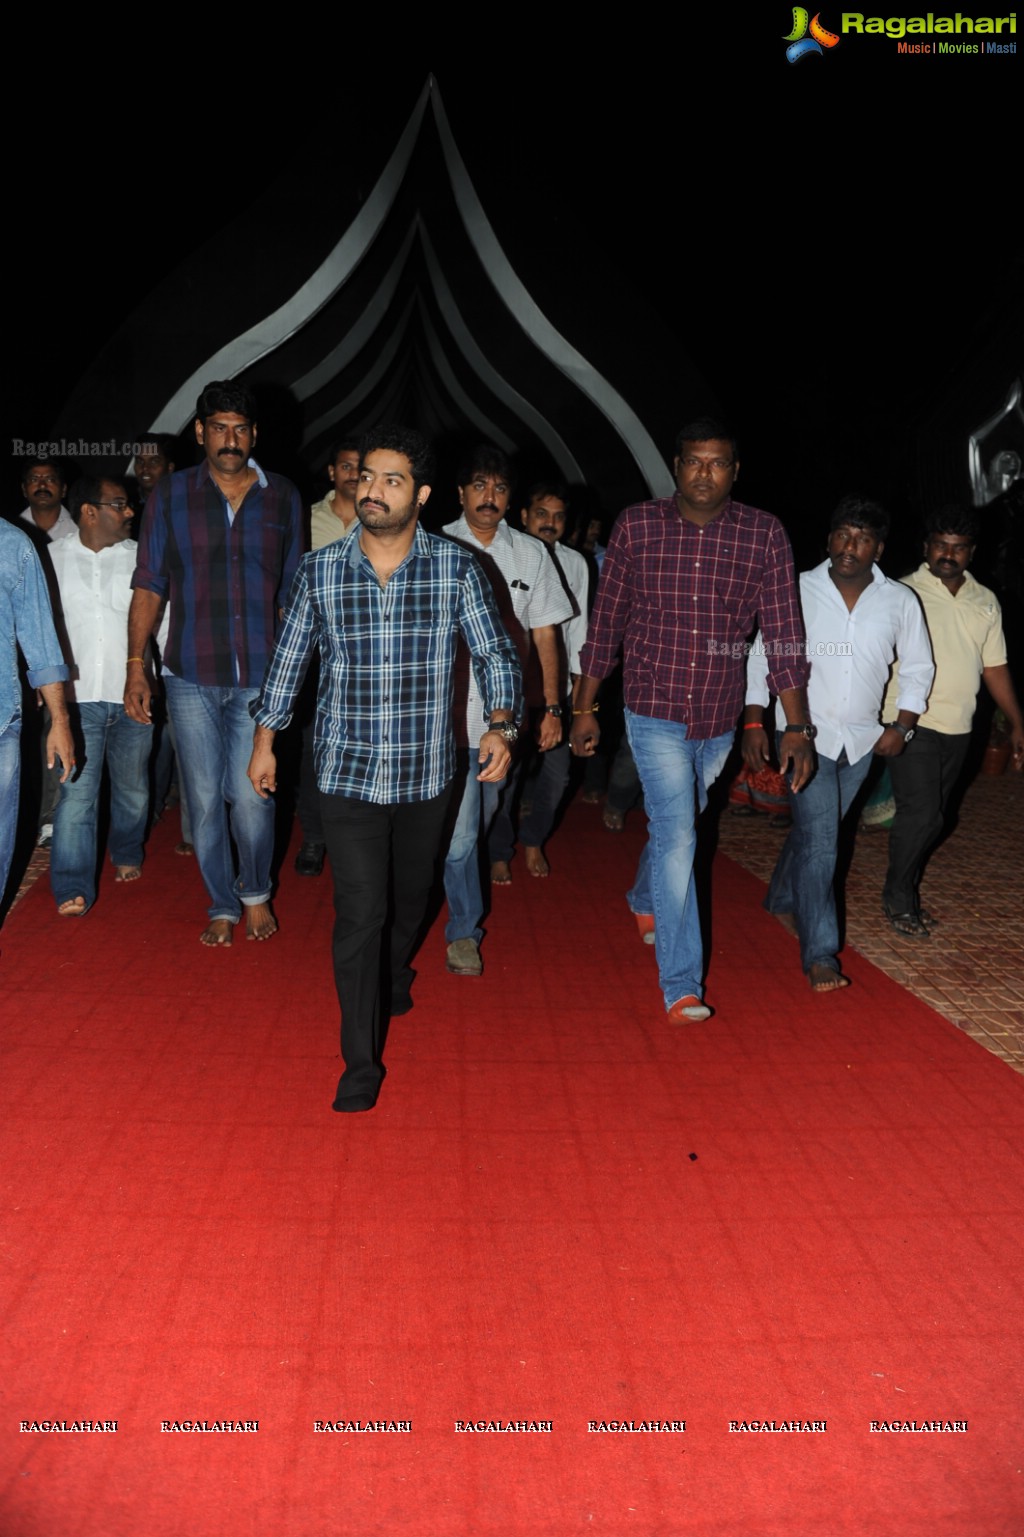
(689, 1010)
(645, 923)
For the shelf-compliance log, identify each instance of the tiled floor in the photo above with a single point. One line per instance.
(972, 968)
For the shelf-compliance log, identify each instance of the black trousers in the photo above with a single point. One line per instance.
(923, 779)
(383, 861)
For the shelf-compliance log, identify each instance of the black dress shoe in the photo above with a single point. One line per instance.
(355, 1102)
(310, 859)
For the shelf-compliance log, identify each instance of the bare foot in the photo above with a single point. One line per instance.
(127, 873)
(824, 979)
(592, 797)
(613, 820)
(73, 908)
(535, 861)
(260, 922)
(219, 933)
(788, 921)
(501, 875)
(184, 848)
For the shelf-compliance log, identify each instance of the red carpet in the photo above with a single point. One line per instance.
(562, 1210)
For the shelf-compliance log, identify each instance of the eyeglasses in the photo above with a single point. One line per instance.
(121, 505)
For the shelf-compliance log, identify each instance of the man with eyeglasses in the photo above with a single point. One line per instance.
(684, 582)
(94, 570)
(221, 543)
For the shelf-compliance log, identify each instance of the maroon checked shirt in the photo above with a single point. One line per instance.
(683, 602)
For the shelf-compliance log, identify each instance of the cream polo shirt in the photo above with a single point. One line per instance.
(325, 527)
(967, 636)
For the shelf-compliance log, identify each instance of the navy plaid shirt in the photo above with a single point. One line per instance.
(683, 601)
(225, 579)
(384, 711)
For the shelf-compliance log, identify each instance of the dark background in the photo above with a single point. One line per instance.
(832, 245)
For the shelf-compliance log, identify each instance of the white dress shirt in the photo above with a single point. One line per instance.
(95, 595)
(574, 568)
(537, 598)
(851, 652)
(64, 525)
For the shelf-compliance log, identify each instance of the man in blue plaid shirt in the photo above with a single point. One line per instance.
(386, 609)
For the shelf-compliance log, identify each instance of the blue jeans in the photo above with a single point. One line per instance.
(104, 734)
(803, 882)
(462, 866)
(543, 789)
(213, 730)
(675, 773)
(10, 783)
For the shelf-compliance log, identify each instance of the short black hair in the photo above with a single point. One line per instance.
(339, 446)
(226, 395)
(951, 519)
(861, 512)
(485, 459)
(402, 440)
(542, 489)
(44, 463)
(702, 429)
(89, 488)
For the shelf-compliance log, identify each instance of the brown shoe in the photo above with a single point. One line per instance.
(463, 959)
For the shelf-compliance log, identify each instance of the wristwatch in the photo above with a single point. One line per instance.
(804, 729)
(554, 709)
(908, 733)
(508, 729)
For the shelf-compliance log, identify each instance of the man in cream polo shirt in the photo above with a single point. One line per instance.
(966, 628)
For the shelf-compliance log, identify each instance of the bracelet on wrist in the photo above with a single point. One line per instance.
(592, 711)
(753, 725)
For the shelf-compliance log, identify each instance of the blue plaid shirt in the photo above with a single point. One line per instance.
(383, 720)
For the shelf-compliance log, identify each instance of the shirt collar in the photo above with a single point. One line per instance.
(462, 530)
(354, 553)
(260, 474)
(939, 586)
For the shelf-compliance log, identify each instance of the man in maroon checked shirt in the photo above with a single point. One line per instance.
(684, 584)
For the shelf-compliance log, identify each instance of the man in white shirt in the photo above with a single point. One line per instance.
(43, 487)
(94, 572)
(857, 622)
(544, 516)
(531, 602)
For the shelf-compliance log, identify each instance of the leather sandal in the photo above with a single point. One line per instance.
(910, 925)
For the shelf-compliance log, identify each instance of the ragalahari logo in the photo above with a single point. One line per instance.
(807, 36)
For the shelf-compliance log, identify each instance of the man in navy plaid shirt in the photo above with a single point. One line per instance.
(220, 544)
(386, 609)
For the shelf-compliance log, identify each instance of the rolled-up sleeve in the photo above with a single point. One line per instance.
(288, 661)
(150, 562)
(916, 664)
(782, 625)
(495, 659)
